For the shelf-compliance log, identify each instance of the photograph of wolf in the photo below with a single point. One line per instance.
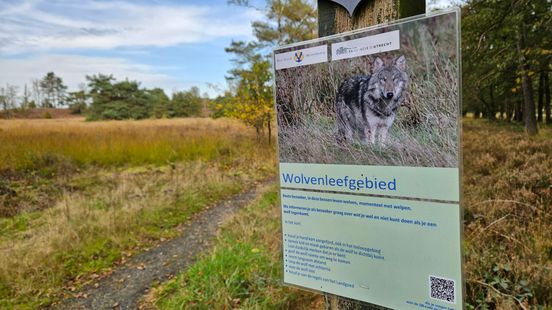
(368, 104)
(397, 108)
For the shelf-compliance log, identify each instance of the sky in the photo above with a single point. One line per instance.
(172, 45)
(169, 44)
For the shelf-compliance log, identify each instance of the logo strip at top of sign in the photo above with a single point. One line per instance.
(301, 57)
(383, 42)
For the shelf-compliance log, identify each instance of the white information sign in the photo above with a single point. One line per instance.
(369, 150)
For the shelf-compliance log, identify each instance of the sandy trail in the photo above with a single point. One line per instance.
(127, 284)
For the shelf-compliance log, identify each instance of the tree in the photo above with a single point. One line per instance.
(77, 101)
(119, 100)
(253, 99)
(101, 92)
(286, 21)
(54, 90)
(547, 100)
(37, 93)
(186, 103)
(503, 49)
(8, 98)
(25, 99)
(161, 105)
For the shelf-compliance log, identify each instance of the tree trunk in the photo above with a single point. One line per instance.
(508, 109)
(518, 117)
(540, 105)
(269, 130)
(547, 102)
(491, 111)
(332, 19)
(527, 87)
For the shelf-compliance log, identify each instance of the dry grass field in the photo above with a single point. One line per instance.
(507, 216)
(77, 197)
(36, 155)
(26, 144)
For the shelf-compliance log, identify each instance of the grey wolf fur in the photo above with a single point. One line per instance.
(367, 104)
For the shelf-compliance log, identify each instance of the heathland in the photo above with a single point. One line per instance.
(78, 198)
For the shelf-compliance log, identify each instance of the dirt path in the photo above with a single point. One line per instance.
(124, 288)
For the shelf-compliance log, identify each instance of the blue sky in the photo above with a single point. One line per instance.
(169, 44)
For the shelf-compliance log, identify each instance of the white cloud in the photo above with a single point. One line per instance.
(72, 69)
(441, 4)
(44, 26)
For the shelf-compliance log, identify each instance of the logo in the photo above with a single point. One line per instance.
(298, 56)
(342, 50)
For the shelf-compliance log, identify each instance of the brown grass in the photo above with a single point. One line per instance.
(37, 156)
(25, 142)
(37, 113)
(111, 188)
(508, 217)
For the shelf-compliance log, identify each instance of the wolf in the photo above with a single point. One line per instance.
(368, 104)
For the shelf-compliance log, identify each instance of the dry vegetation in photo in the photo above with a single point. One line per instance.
(111, 189)
(425, 132)
(507, 188)
(37, 156)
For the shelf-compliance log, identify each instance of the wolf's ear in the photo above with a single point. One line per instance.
(377, 64)
(400, 63)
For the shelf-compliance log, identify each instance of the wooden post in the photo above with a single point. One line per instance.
(332, 19)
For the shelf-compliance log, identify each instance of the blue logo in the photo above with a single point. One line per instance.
(298, 57)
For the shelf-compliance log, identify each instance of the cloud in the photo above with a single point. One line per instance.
(441, 4)
(31, 26)
(72, 69)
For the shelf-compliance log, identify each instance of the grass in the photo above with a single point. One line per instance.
(243, 271)
(27, 144)
(101, 212)
(38, 156)
(507, 224)
(508, 216)
(105, 209)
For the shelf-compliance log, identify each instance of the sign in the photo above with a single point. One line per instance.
(369, 150)
(379, 43)
(301, 57)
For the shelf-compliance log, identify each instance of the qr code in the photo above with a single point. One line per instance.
(442, 289)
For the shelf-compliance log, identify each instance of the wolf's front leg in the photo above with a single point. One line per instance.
(373, 132)
(383, 134)
(369, 135)
(384, 128)
(364, 135)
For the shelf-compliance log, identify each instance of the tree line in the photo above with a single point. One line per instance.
(102, 97)
(506, 59)
(507, 52)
